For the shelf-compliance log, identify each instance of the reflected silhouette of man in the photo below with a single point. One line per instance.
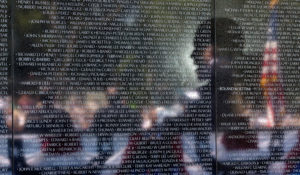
(217, 42)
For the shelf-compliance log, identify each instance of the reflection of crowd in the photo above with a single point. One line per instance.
(156, 139)
(60, 134)
(155, 145)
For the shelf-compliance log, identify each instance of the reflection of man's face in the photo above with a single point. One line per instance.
(207, 55)
(111, 90)
(203, 61)
(209, 67)
(113, 96)
(26, 103)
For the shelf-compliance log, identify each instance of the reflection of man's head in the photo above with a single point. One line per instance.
(26, 103)
(217, 42)
(113, 96)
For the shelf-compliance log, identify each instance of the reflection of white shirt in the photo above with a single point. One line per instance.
(173, 111)
(193, 95)
(36, 158)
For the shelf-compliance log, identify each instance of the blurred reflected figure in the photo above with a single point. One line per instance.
(25, 104)
(292, 162)
(60, 136)
(117, 117)
(5, 134)
(82, 110)
(217, 43)
(16, 124)
(157, 149)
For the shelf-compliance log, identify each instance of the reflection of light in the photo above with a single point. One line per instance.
(173, 111)
(147, 124)
(92, 105)
(161, 114)
(262, 120)
(22, 120)
(177, 109)
(192, 95)
(2, 104)
(270, 116)
(130, 21)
